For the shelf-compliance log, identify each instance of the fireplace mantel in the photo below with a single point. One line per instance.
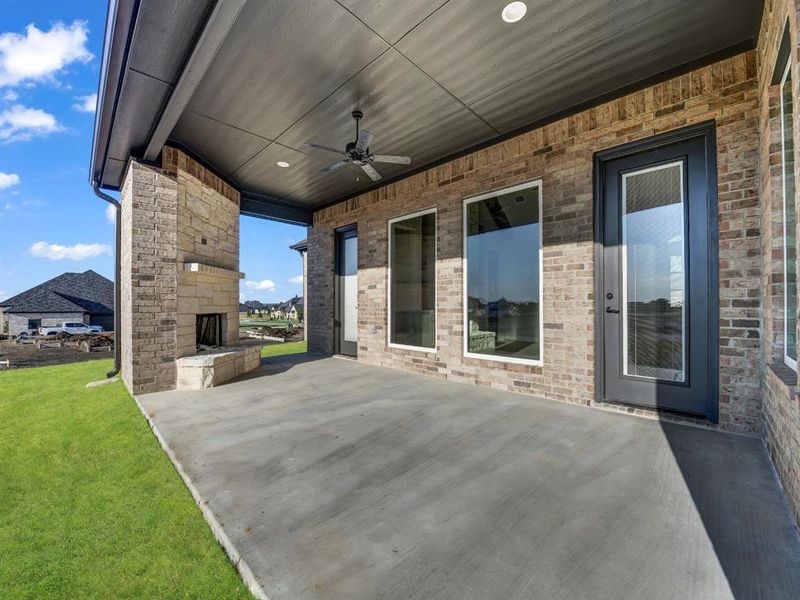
(197, 267)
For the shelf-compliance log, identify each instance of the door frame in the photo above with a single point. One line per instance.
(706, 131)
(338, 236)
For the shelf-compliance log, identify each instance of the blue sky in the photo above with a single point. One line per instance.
(50, 221)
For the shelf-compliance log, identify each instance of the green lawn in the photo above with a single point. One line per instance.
(284, 348)
(90, 506)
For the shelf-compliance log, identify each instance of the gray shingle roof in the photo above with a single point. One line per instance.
(301, 246)
(86, 292)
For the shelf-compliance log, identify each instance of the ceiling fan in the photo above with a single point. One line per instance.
(357, 153)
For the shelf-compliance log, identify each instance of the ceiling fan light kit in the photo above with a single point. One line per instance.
(357, 153)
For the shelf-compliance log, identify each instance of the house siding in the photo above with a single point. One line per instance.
(561, 155)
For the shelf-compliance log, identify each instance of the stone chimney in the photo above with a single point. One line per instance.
(180, 259)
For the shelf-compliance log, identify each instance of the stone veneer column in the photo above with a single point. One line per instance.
(149, 279)
(180, 259)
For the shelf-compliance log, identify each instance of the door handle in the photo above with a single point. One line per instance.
(611, 310)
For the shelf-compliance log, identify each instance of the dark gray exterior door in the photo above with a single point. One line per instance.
(346, 311)
(658, 296)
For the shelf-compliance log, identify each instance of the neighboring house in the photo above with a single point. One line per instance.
(538, 151)
(87, 297)
(291, 309)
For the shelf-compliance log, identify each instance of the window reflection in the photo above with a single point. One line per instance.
(789, 221)
(503, 287)
(413, 281)
(654, 273)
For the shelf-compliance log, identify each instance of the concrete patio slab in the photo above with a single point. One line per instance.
(333, 479)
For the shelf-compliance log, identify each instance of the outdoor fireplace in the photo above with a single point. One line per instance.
(209, 331)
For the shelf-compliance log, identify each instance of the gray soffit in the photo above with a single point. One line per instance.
(434, 78)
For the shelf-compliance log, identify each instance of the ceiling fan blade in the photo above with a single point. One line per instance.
(370, 170)
(335, 166)
(321, 147)
(388, 158)
(364, 140)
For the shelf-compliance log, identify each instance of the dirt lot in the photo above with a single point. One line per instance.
(28, 355)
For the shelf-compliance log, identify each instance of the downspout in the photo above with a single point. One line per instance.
(117, 272)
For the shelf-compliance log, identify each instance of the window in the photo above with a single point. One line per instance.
(503, 271)
(789, 222)
(412, 281)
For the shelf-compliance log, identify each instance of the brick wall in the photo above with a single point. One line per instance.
(149, 279)
(781, 404)
(561, 154)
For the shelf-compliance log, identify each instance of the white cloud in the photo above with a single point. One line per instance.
(39, 55)
(298, 279)
(3, 295)
(265, 284)
(8, 180)
(10, 96)
(111, 214)
(76, 252)
(242, 297)
(87, 104)
(20, 123)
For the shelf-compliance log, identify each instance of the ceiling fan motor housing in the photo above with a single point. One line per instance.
(356, 155)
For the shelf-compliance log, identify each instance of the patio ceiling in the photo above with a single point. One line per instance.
(242, 84)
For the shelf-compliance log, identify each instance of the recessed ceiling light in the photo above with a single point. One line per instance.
(282, 164)
(513, 12)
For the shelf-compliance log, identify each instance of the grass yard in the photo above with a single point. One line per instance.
(90, 506)
(284, 348)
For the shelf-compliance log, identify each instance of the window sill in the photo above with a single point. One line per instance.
(412, 348)
(786, 377)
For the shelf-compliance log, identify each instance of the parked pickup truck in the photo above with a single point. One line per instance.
(70, 327)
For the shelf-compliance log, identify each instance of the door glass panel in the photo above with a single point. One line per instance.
(654, 273)
(350, 289)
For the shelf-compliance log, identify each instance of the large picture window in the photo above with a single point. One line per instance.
(412, 281)
(502, 267)
(789, 222)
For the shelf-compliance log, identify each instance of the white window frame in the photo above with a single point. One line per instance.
(787, 360)
(389, 342)
(537, 183)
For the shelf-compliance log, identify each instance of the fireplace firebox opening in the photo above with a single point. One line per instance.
(209, 331)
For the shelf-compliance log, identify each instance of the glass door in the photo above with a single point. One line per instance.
(346, 317)
(656, 250)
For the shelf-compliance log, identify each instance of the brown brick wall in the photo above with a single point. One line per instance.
(149, 279)
(781, 404)
(561, 154)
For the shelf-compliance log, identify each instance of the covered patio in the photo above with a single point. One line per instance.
(328, 478)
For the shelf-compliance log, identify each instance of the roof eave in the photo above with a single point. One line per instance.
(120, 23)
